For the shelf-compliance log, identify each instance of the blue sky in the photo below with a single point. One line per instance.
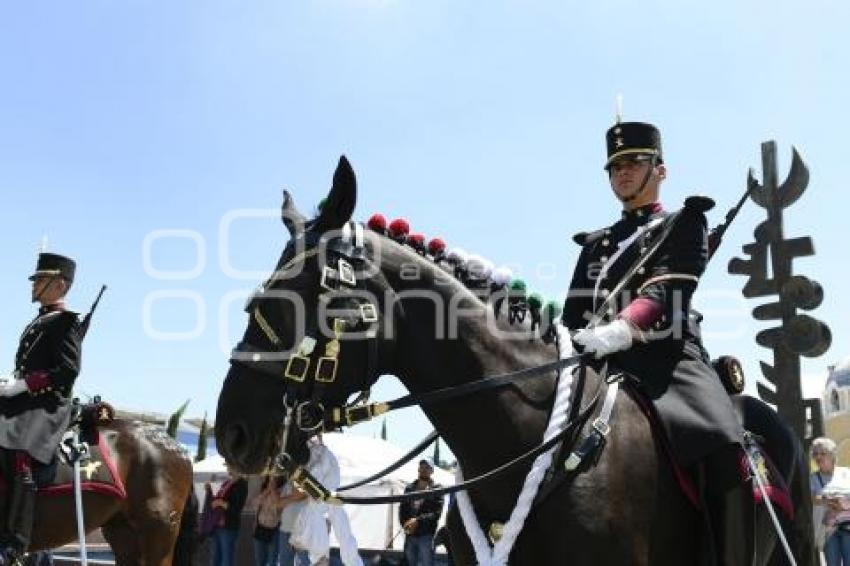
(480, 122)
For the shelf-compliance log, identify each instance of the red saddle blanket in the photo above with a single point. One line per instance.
(775, 486)
(98, 473)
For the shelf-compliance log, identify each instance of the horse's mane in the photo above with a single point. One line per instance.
(474, 275)
(156, 435)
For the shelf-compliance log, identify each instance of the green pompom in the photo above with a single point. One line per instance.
(553, 309)
(535, 301)
(518, 285)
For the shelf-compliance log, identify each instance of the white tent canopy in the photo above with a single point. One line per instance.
(374, 526)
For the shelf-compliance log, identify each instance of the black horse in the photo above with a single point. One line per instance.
(433, 333)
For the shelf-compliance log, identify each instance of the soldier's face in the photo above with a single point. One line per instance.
(48, 290)
(626, 176)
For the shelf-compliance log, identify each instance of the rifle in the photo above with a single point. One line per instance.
(715, 236)
(84, 325)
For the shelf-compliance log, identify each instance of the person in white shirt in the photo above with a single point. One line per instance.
(292, 501)
(830, 485)
(310, 532)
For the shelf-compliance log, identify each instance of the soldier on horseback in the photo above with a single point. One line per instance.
(35, 407)
(649, 331)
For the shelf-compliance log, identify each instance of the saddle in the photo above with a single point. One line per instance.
(99, 473)
(753, 415)
(775, 485)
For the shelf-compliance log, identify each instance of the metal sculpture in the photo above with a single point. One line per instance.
(799, 334)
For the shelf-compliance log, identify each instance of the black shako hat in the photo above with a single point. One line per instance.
(632, 138)
(53, 265)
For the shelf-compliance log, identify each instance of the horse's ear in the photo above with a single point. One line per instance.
(292, 219)
(339, 206)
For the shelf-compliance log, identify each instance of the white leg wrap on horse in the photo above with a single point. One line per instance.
(498, 555)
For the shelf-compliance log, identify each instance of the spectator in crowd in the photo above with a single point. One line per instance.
(292, 501)
(268, 504)
(316, 519)
(419, 518)
(830, 485)
(227, 504)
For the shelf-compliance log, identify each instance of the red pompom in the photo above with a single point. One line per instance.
(377, 223)
(399, 228)
(436, 246)
(417, 240)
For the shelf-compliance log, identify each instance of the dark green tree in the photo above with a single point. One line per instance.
(202, 441)
(174, 420)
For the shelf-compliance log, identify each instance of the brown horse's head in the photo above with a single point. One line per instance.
(311, 339)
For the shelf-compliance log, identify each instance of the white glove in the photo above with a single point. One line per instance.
(12, 389)
(606, 339)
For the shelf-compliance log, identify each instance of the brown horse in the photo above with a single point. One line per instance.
(434, 333)
(154, 525)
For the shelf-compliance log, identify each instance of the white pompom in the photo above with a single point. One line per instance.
(479, 267)
(502, 275)
(459, 255)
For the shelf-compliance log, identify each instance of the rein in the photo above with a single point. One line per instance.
(351, 415)
(305, 481)
(411, 454)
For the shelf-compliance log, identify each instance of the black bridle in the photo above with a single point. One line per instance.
(305, 374)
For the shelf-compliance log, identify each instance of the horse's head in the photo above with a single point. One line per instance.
(312, 337)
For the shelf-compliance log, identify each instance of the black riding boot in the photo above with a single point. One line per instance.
(21, 511)
(730, 509)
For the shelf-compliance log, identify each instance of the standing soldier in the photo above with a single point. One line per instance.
(651, 333)
(35, 408)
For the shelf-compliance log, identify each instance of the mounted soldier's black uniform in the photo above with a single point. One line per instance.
(673, 368)
(36, 414)
(667, 358)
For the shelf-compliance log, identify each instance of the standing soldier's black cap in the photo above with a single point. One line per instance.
(633, 139)
(53, 265)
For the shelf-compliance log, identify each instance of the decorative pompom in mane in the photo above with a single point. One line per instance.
(378, 223)
(437, 247)
(478, 274)
(399, 229)
(417, 242)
